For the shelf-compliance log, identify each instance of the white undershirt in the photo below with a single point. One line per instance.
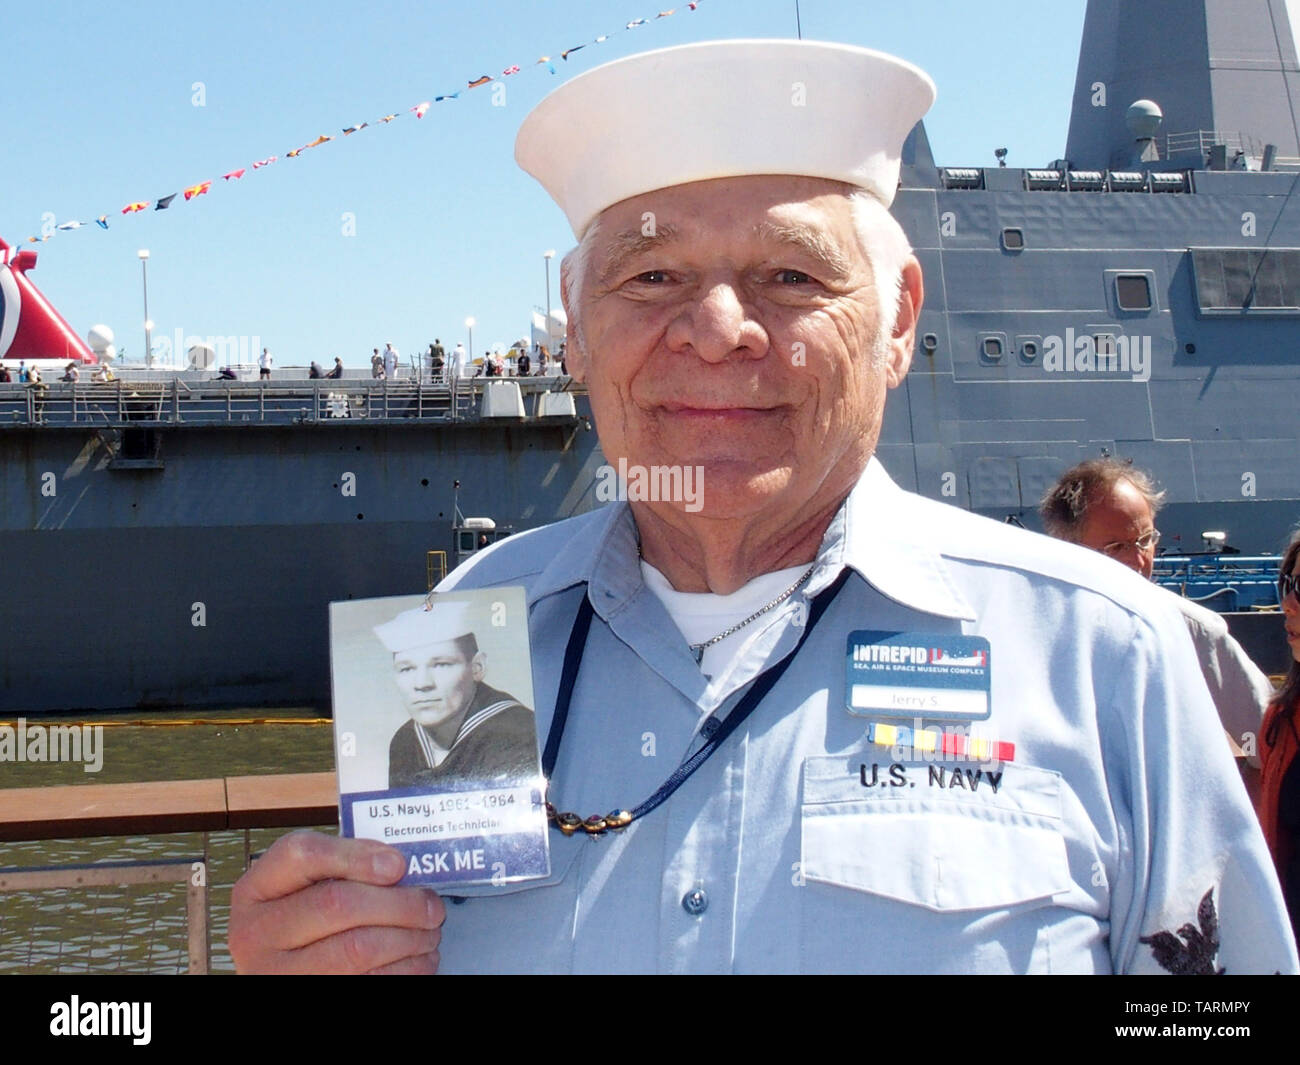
(700, 616)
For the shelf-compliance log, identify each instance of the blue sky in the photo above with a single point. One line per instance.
(99, 111)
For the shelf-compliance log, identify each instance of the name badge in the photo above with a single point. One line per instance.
(918, 674)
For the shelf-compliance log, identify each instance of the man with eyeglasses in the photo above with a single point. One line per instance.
(1110, 506)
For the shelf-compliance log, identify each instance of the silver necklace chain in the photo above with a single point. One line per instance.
(698, 649)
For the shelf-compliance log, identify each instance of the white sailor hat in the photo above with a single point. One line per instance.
(723, 109)
(414, 628)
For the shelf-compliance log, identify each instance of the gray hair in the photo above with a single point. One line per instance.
(1065, 507)
(880, 237)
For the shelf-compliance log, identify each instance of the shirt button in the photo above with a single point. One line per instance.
(695, 902)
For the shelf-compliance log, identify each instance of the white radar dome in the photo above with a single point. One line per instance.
(100, 339)
(202, 356)
(1143, 118)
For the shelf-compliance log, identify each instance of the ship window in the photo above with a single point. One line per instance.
(1133, 292)
(1013, 238)
(1255, 281)
(993, 347)
(466, 541)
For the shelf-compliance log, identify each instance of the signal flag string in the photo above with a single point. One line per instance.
(202, 188)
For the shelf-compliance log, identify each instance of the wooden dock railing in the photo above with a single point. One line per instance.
(220, 804)
(291, 800)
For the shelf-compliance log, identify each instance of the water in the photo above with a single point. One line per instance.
(142, 928)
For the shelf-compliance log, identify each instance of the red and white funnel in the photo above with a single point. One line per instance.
(30, 328)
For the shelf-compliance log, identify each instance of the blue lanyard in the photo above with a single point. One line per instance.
(714, 731)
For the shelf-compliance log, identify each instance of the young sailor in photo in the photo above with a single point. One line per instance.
(460, 727)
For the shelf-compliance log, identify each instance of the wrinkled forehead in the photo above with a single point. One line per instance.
(813, 214)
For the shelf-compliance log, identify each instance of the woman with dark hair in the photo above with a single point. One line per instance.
(1279, 796)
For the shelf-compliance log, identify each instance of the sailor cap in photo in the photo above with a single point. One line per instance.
(723, 109)
(415, 628)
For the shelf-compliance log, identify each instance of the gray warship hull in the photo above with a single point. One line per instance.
(159, 558)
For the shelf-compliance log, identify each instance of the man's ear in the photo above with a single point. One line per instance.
(478, 665)
(575, 357)
(911, 294)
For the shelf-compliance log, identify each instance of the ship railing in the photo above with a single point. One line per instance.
(1199, 142)
(219, 811)
(1224, 582)
(131, 402)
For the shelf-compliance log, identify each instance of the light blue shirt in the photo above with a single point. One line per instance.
(1120, 813)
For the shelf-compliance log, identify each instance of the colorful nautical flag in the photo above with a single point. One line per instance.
(419, 111)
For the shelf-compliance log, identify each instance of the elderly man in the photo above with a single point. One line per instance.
(740, 301)
(1110, 506)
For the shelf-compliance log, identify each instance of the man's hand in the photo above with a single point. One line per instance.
(320, 904)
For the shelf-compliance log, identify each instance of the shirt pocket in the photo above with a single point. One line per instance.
(948, 837)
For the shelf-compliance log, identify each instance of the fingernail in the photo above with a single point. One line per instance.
(437, 914)
(388, 864)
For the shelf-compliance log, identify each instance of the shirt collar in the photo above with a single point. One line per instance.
(887, 536)
(881, 532)
(607, 546)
